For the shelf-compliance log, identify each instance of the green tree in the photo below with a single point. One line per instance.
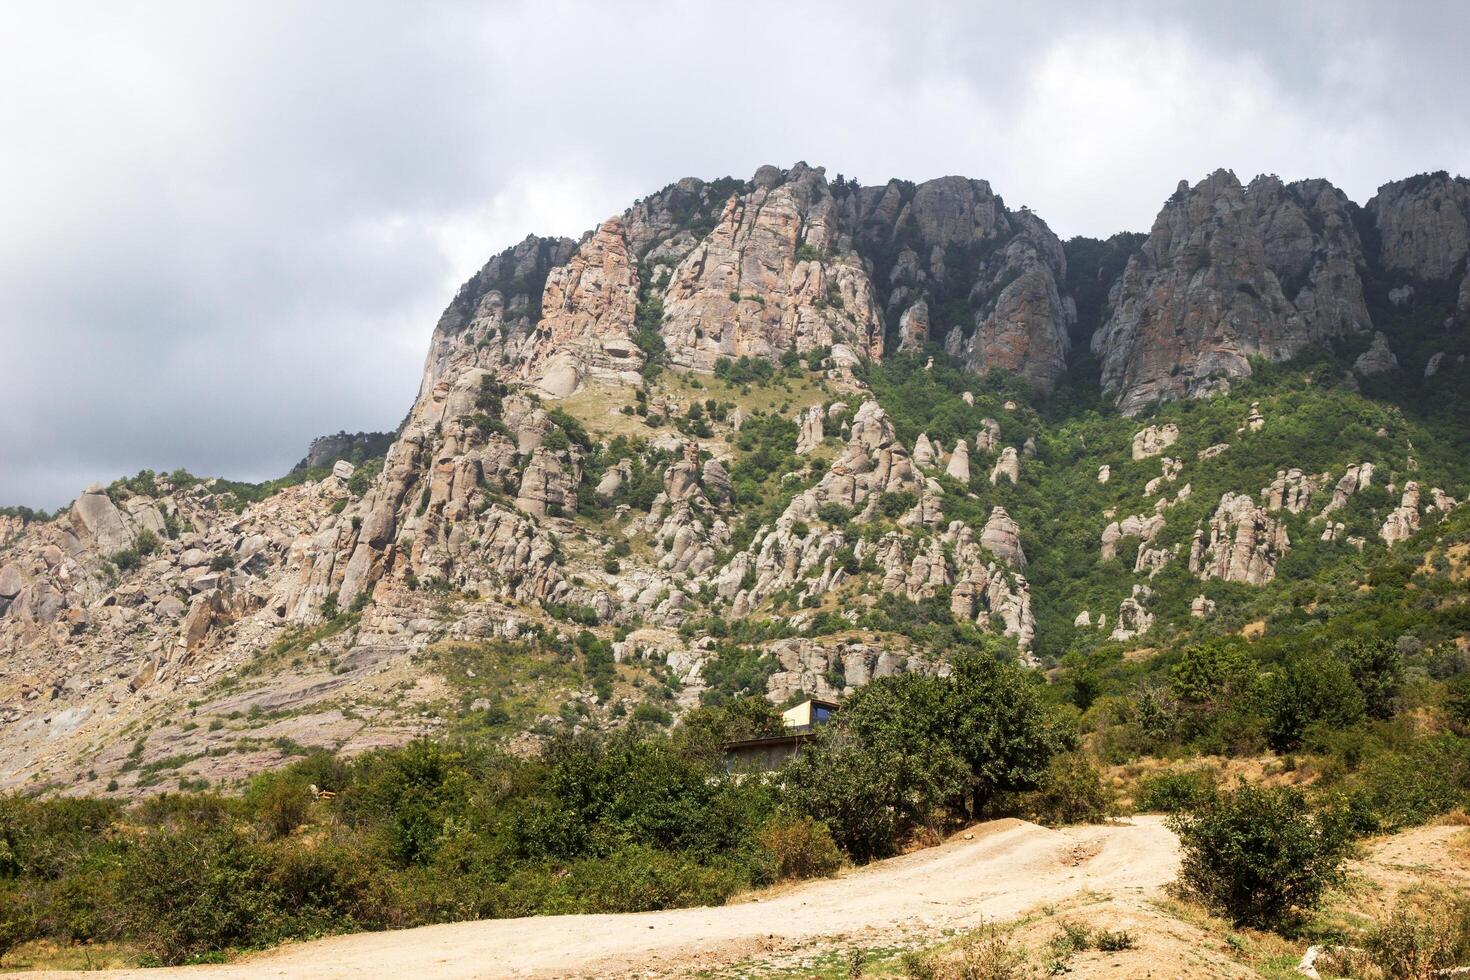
(1378, 670)
(1261, 854)
(1308, 688)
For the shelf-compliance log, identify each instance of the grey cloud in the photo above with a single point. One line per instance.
(230, 227)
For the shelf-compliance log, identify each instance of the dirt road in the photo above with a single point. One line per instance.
(995, 871)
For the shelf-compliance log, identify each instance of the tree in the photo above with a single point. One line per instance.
(1377, 669)
(911, 751)
(1261, 853)
(1307, 689)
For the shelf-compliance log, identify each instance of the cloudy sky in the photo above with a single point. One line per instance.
(228, 227)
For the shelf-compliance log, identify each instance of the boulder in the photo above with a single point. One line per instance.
(1154, 440)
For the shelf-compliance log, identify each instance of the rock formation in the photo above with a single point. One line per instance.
(1154, 440)
(1244, 543)
(1007, 466)
(1229, 273)
(958, 467)
(1377, 359)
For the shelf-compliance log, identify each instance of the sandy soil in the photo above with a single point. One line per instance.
(994, 871)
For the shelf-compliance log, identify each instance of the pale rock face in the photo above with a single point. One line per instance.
(809, 434)
(1134, 619)
(587, 311)
(1007, 466)
(1431, 367)
(923, 452)
(1255, 421)
(1213, 451)
(550, 481)
(613, 480)
(1002, 538)
(1441, 501)
(743, 291)
(1244, 543)
(1083, 620)
(1205, 292)
(343, 470)
(1377, 359)
(1144, 527)
(958, 467)
(1154, 440)
(988, 589)
(987, 440)
(913, 327)
(1202, 607)
(1403, 521)
(490, 321)
(1104, 473)
(96, 519)
(1292, 491)
(1423, 225)
(1354, 479)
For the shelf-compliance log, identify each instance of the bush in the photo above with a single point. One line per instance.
(1072, 791)
(1170, 792)
(1261, 854)
(1309, 688)
(186, 892)
(799, 847)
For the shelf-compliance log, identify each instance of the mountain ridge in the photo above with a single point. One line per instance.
(780, 435)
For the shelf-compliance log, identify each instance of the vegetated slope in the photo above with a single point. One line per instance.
(781, 436)
(995, 871)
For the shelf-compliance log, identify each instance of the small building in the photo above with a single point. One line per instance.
(808, 715)
(769, 752)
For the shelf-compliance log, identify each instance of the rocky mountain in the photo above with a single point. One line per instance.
(779, 436)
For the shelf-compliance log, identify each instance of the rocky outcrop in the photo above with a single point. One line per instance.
(1377, 359)
(951, 246)
(1244, 544)
(1144, 527)
(1007, 466)
(958, 467)
(1292, 491)
(771, 277)
(1356, 478)
(809, 432)
(1154, 440)
(588, 310)
(1134, 618)
(549, 483)
(1002, 538)
(1402, 521)
(987, 440)
(490, 322)
(1423, 226)
(1229, 273)
(924, 456)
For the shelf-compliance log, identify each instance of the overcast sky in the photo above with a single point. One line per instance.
(228, 227)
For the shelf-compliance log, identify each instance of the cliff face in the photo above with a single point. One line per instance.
(955, 266)
(773, 276)
(1229, 273)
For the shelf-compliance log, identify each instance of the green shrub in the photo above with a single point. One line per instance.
(799, 847)
(1170, 792)
(1261, 854)
(1306, 689)
(1072, 791)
